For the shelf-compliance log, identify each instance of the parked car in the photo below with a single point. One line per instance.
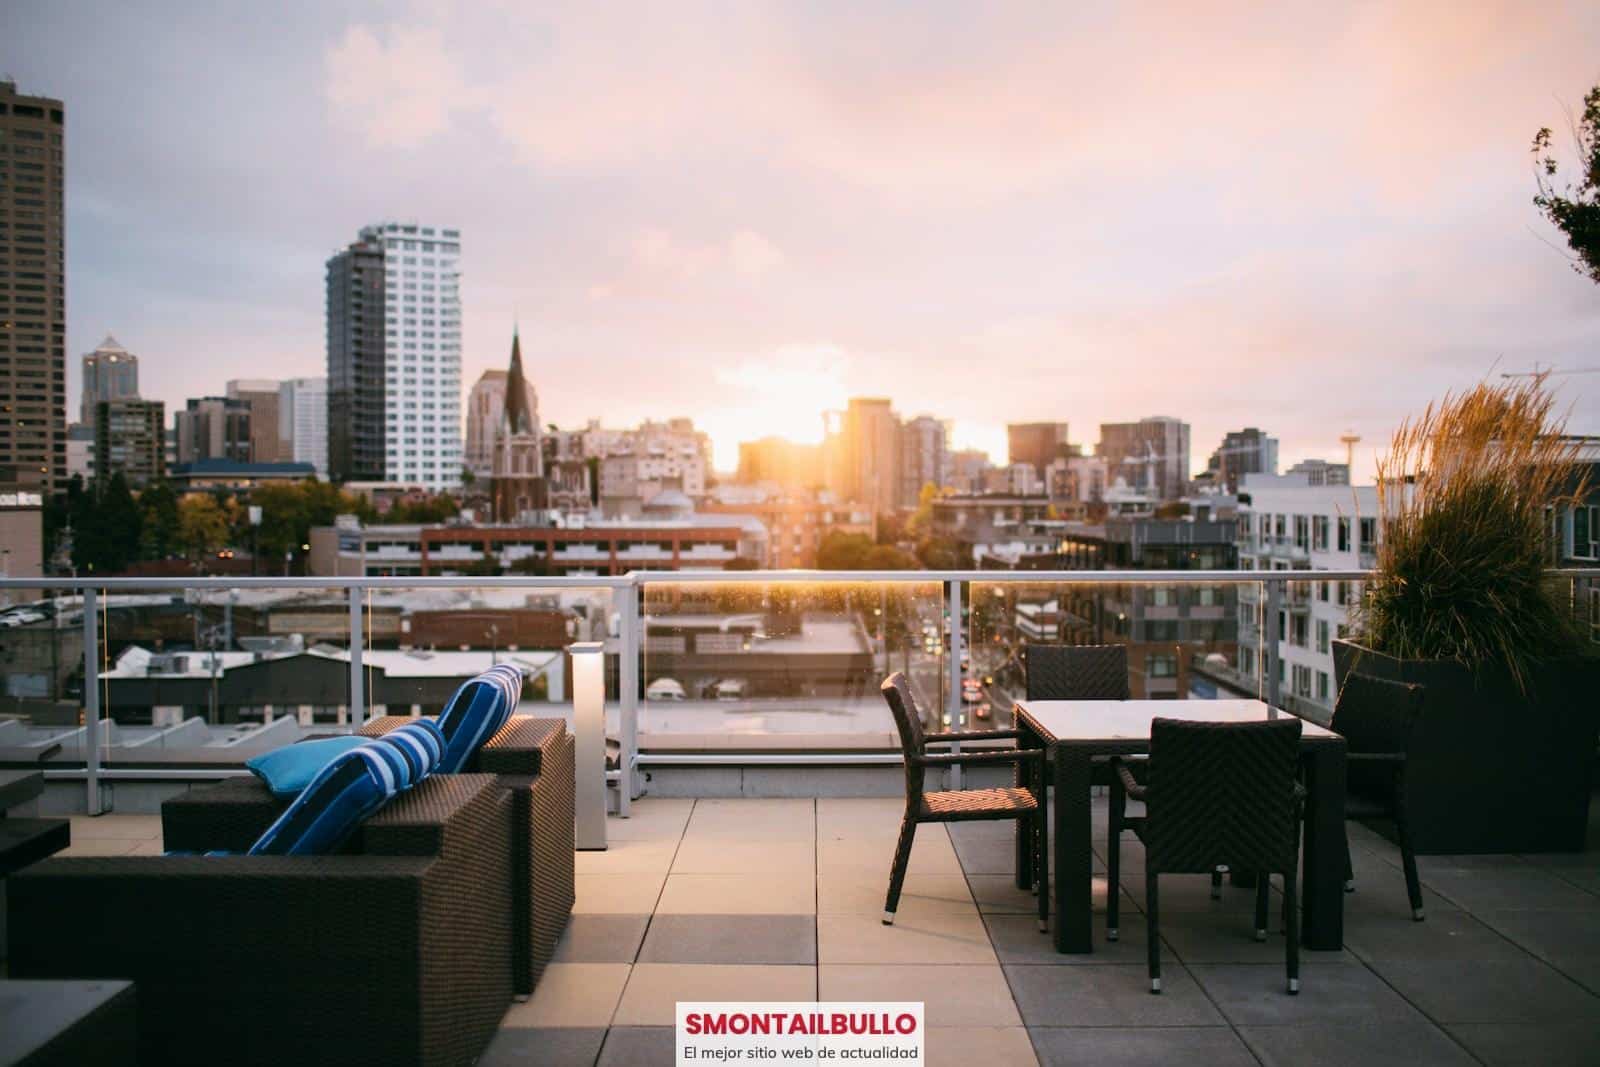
(730, 689)
(665, 689)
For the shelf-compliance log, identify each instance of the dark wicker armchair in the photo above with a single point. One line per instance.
(960, 805)
(1218, 793)
(1077, 672)
(533, 759)
(395, 954)
(1376, 717)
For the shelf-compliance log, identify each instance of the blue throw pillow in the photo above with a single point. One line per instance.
(352, 787)
(288, 770)
(476, 713)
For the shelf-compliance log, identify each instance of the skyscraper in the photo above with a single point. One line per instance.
(33, 309)
(863, 455)
(1150, 455)
(394, 357)
(923, 457)
(1246, 451)
(303, 422)
(213, 427)
(261, 395)
(130, 436)
(110, 372)
(1036, 443)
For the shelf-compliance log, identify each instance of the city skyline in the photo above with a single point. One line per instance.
(1266, 243)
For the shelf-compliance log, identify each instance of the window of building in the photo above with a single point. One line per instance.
(1344, 535)
(1162, 665)
(1322, 686)
(1319, 533)
(1302, 537)
(1586, 531)
(1369, 534)
(1322, 635)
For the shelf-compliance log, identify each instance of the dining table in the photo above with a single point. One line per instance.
(1076, 733)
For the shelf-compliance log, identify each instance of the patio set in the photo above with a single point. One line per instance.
(390, 906)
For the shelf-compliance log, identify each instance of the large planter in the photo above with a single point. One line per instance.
(1490, 769)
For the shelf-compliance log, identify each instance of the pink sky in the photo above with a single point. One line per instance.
(1308, 218)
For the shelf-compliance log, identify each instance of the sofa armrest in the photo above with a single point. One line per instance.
(226, 816)
(521, 746)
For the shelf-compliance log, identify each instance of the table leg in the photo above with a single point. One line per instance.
(1323, 882)
(1026, 738)
(1074, 857)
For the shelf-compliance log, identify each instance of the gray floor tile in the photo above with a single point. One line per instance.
(1017, 939)
(985, 855)
(1567, 940)
(1330, 993)
(731, 939)
(1518, 886)
(1569, 1044)
(1191, 1046)
(1490, 991)
(1114, 995)
(1229, 937)
(1192, 892)
(638, 1046)
(1444, 935)
(601, 939)
(545, 1047)
(998, 894)
(1397, 1044)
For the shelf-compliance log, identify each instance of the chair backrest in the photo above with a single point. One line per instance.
(908, 721)
(1077, 672)
(1375, 714)
(1222, 793)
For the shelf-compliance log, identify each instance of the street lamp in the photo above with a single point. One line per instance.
(255, 537)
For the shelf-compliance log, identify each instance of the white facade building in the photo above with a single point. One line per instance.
(422, 353)
(1288, 523)
(303, 421)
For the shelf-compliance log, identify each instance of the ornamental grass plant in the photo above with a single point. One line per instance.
(1465, 494)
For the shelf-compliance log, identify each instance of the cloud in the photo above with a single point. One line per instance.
(397, 88)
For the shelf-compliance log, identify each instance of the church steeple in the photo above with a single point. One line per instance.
(518, 419)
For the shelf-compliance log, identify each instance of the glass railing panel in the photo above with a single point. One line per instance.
(422, 642)
(217, 674)
(41, 673)
(787, 664)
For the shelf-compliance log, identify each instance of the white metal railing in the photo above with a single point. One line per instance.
(628, 591)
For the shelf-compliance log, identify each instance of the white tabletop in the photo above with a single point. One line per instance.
(1129, 720)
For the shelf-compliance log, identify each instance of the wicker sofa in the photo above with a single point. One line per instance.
(394, 953)
(533, 759)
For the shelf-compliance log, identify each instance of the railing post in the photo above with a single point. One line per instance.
(358, 696)
(91, 698)
(628, 696)
(588, 661)
(1272, 610)
(952, 702)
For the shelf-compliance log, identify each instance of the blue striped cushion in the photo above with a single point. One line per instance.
(350, 788)
(476, 713)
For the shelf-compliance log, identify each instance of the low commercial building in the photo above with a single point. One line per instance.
(234, 476)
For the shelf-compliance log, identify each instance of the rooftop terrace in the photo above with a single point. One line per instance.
(780, 899)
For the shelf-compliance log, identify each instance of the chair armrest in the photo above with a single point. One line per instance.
(1130, 784)
(226, 816)
(1009, 755)
(968, 735)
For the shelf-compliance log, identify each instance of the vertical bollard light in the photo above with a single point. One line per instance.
(589, 728)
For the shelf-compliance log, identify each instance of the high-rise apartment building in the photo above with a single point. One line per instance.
(213, 427)
(33, 308)
(261, 396)
(303, 422)
(863, 454)
(924, 450)
(486, 404)
(394, 357)
(778, 461)
(110, 372)
(1322, 472)
(1246, 451)
(130, 436)
(1151, 455)
(1037, 444)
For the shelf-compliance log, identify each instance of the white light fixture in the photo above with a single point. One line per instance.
(589, 729)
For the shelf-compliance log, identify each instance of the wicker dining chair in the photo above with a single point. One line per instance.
(1376, 718)
(1218, 793)
(1077, 672)
(959, 805)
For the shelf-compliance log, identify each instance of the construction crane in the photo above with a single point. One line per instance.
(1548, 372)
